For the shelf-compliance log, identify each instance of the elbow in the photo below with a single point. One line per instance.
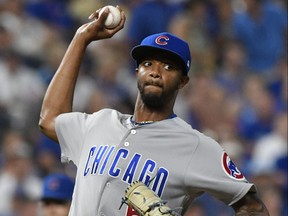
(42, 125)
(47, 127)
(250, 204)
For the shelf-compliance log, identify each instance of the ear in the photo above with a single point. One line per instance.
(136, 71)
(184, 80)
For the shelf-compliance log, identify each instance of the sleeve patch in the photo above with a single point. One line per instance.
(230, 168)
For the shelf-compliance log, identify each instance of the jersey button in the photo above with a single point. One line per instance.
(126, 144)
(108, 184)
(133, 131)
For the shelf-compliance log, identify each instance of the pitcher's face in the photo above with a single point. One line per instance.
(159, 80)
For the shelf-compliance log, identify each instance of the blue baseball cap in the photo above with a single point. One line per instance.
(57, 187)
(164, 42)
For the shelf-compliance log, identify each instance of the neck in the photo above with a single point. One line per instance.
(143, 113)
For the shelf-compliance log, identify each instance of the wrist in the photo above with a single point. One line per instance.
(81, 40)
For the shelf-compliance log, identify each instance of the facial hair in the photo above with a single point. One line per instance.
(151, 100)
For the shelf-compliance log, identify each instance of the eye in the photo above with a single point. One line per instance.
(147, 63)
(169, 67)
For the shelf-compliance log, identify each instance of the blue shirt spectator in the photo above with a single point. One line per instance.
(51, 11)
(150, 17)
(261, 28)
(57, 194)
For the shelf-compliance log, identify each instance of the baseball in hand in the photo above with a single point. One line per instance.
(113, 18)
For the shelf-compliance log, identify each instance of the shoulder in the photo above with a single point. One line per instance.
(203, 140)
(188, 128)
(103, 114)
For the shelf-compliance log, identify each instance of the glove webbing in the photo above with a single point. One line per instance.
(145, 201)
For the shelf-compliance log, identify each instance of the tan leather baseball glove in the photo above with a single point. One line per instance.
(145, 201)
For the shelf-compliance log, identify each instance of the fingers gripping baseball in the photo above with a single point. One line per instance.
(145, 202)
(114, 16)
(97, 29)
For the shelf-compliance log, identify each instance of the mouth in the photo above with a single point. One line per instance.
(152, 88)
(153, 84)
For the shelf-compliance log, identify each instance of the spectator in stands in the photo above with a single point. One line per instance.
(258, 109)
(262, 28)
(271, 147)
(19, 184)
(150, 17)
(57, 195)
(20, 89)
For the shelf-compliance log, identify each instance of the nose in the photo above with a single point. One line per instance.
(155, 71)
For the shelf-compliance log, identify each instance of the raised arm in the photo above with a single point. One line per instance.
(59, 95)
(250, 204)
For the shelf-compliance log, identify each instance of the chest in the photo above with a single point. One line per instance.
(151, 156)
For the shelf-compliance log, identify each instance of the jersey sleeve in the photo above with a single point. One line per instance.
(70, 130)
(211, 170)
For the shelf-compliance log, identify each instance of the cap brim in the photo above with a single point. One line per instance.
(56, 196)
(140, 52)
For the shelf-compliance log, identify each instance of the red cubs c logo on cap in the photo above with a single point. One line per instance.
(162, 40)
(53, 184)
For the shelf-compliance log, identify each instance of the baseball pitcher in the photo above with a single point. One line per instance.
(151, 162)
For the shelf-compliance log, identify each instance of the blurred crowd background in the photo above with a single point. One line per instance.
(237, 92)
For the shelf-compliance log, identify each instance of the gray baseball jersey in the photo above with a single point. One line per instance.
(110, 153)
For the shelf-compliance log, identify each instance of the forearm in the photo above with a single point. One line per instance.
(59, 95)
(252, 212)
(250, 205)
